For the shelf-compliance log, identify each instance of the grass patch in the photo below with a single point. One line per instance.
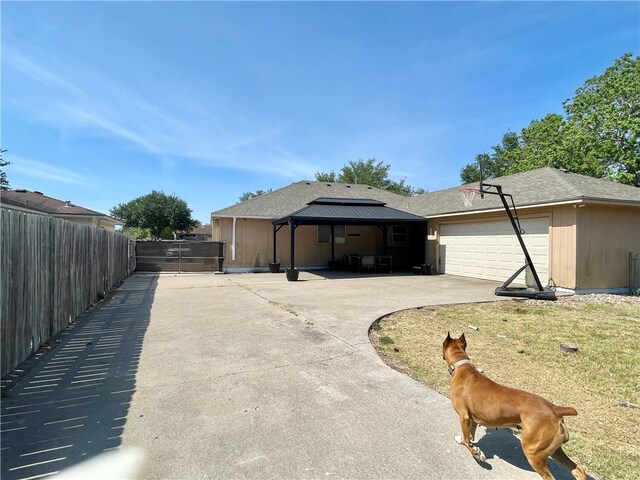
(518, 344)
(284, 308)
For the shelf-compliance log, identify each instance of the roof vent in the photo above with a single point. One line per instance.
(369, 188)
(348, 186)
(67, 203)
(308, 183)
(22, 190)
(563, 170)
(328, 184)
(39, 193)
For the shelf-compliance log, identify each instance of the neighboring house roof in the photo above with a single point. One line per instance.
(282, 202)
(542, 186)
(39, 203)
(351, 211)
(202, 230)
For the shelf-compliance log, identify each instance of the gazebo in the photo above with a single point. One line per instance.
(344, 211)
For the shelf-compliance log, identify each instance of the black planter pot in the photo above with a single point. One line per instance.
(274, 267)
(292, 274)
(334, 265)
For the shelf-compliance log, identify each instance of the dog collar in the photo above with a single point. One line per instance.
(457, 364)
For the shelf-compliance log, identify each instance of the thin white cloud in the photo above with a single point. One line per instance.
(45, 171)
(169, 121)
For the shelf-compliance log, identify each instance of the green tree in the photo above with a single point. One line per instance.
(329, 177)
(599, 135)
(369, 172)
(604, 116)
(4, 182)
(248, 195)
(550, 142)
(541, 145)
(162, 215)
(470, 173)
(494, 164)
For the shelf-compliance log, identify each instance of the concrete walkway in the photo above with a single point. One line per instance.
(247, 376)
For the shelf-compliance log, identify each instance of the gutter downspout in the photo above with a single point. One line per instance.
(233, 239)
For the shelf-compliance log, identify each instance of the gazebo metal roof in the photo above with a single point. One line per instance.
(348, 211)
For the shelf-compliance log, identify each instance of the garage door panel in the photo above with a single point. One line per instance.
(490, 250)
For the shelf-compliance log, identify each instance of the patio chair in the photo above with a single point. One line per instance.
(384, 264)
(367, 263)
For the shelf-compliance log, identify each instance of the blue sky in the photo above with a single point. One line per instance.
(103, 102)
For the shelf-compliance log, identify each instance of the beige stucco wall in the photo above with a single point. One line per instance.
(562, 246)
(606, 235)
(254, 243)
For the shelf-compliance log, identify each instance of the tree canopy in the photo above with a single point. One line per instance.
(4, 182)
(369, 172)
(248, 195)
(156, 213)
(599, 135)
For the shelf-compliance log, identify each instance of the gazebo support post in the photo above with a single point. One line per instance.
(292, 272)
(292, 228)
(274, 244)
(385, 229)
(333, 245)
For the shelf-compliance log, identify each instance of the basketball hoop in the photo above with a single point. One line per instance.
(468, 194)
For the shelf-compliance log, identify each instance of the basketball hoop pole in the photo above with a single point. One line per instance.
(541, 293)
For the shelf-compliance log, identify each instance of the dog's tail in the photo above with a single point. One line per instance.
(563, 411)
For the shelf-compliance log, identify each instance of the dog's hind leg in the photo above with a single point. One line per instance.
(538, 461)
(539, 440)
(562, 458)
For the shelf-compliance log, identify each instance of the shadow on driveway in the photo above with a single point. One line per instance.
(73, 404)
(505, 445)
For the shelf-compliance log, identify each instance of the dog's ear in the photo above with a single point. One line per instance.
(463, 340)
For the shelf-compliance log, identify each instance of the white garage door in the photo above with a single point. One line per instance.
(490, 250)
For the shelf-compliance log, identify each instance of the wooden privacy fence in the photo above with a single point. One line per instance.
(51, 271)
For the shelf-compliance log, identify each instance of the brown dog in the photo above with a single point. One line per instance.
(480, 401)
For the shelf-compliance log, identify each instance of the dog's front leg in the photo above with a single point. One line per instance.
(468, 428)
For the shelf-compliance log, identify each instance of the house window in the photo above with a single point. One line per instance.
(324, 234)
(399, 234)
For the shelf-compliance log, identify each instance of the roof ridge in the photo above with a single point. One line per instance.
(565, 179)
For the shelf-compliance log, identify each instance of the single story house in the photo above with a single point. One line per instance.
(201, 233)
(38, 203)
(579, 230)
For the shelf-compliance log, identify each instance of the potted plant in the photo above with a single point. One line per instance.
(334, 265)
(292, 274)
(274, 267)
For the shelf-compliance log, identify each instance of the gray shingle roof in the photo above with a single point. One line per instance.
(282, 202)
(535, 187)
(39, 202)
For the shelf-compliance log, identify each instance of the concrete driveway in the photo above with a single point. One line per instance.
(247, 376)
